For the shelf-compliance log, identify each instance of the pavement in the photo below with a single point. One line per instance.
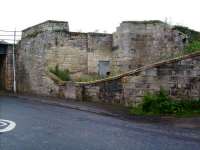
(53, 124)
(117, 111)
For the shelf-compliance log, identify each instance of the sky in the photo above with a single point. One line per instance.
(101, 15)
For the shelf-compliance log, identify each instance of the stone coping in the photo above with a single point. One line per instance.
(145, 22)
(48, 21)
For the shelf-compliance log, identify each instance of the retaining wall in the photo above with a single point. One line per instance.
(180, 77)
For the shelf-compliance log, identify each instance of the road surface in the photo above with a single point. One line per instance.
(46, 127)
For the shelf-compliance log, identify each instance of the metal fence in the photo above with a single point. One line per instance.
(10, 36)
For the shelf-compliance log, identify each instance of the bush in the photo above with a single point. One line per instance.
(157, 102)
(161, 103)
(192, 47)
(62, 74)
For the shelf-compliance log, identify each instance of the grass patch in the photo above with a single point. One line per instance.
(161, 103)
(64, 75)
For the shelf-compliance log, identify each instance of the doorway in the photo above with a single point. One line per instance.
(104, 68)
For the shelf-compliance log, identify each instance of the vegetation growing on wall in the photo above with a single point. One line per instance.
(34, 34)
(64, 75)
(193, 44)
(192, 47)
(191, 34)
(161, 103)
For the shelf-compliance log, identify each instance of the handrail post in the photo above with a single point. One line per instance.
(14, 70)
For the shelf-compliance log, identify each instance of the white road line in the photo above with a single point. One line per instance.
(7, 125)
(2, 124)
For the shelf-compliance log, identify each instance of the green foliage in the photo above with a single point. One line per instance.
(62, 74)
(192, 34)
(157, 103)
(161, 103)
(193, 44)
(192, 47)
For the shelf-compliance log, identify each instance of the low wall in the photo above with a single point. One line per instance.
(179, 76)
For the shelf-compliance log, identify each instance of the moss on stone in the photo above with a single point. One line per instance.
(34, 34)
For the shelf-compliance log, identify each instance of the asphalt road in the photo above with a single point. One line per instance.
(45, 127)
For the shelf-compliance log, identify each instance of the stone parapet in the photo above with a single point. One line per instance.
(49, 25)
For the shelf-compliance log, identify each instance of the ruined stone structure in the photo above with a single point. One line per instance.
(136, 44)
(51, 44)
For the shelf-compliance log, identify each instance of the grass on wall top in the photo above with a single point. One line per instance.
(193, 36)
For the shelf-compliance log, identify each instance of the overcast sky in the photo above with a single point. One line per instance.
(104, 15)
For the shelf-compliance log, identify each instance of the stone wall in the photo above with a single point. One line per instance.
(46, 50)
(50, 48)
(137, 43)
(50, 44)
(50, 25)
(99, 49)
(180, 77)
(70, 54)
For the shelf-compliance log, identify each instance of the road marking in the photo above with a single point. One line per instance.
(6, 125)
